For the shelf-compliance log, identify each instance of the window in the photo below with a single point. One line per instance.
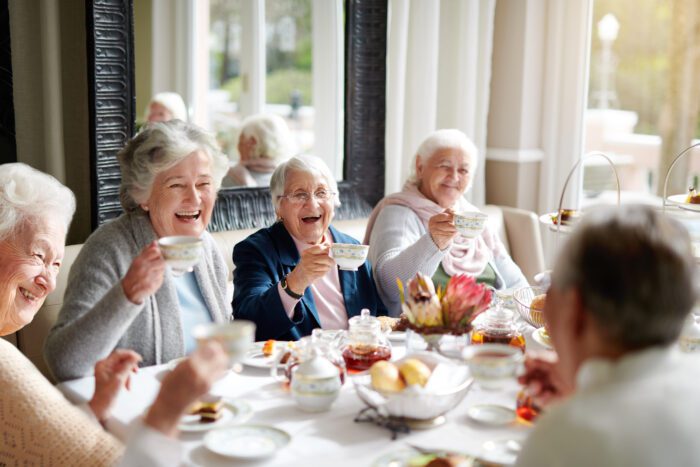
(644, 97)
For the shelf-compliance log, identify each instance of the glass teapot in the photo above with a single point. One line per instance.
(363, 343)
(498, 326)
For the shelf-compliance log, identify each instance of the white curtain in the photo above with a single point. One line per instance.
(438, 74)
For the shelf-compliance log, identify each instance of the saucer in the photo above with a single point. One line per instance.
(247, 441)
(492, 415)
(539, 337)
(232, 412)
(255, 357)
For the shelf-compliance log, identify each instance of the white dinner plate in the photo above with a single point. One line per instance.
(540, 338)
(491, 414)
(546, 219)
(247, 441)
(680, 201)
(233, 411)
(397, 336)
(255, 358)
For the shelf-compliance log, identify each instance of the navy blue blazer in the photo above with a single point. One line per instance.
(263, 259)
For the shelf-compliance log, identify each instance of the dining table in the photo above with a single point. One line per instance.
(326, 438)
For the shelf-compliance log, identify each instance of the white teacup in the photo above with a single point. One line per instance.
(470, 224)
(235, 337)
(181, 252)
(348, 256)
(492, 365)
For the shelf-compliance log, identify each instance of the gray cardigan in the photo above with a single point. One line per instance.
(400, 246)
(96, 317)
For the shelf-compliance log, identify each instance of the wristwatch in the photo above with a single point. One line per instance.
(289, 291)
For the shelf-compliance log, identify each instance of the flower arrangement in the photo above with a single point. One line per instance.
(448, 311)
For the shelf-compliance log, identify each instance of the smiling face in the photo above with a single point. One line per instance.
(308, 221)
(182, 197)
(445, 176)
(30, 262)
(159, 113)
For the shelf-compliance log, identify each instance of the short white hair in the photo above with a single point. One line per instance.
(302, 163)
(273, 140)
(159, 147)
(446, 139)
(171, 101)
(27, 194)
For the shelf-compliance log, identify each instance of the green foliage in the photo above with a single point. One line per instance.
(280, 84)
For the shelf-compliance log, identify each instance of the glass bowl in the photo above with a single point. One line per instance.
(415, 403)
(523, 298)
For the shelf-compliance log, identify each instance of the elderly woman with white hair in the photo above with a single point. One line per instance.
(264, 142)
(119, 292)
(37, 424)
(166, 106)
(413, 230)
(285, 279)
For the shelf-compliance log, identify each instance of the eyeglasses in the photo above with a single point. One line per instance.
(302, 197)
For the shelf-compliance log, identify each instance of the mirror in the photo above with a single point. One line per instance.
(113, 110)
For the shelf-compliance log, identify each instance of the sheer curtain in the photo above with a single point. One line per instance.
(438, 74)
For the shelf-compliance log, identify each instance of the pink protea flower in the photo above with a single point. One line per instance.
(464, 300)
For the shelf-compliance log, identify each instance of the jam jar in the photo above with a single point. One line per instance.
(364, 343)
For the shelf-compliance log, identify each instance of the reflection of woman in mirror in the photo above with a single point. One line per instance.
(264, 142)
(413, 230)
(166, 106)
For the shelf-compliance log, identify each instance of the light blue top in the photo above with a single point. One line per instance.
(193, 309)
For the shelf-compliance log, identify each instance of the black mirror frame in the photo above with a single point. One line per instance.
(112, 101)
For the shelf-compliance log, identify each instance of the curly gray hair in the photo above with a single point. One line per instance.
(273, 140)
(159, 147)
(303, 163)
(27, 194)
(446, 139)
(634, 270)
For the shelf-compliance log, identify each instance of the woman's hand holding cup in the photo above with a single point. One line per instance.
(315, 262)
(145, 275)
(442, 228)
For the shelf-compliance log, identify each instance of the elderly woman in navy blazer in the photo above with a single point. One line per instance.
(285, 278)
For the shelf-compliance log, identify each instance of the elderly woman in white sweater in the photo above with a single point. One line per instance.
(119, 293)
(413, 230)
(37, 424)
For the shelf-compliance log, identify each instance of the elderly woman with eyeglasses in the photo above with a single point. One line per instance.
(120, 293)
(414, 231)
(285, 279)
(38, 426)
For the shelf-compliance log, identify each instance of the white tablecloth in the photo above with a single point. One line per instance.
(328, 438)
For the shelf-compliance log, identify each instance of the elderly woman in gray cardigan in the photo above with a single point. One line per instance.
(413, 230)
(119, 292)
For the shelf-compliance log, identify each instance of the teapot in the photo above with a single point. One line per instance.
(321, 343)
(498, 326)
(364, 343)
(315, 382)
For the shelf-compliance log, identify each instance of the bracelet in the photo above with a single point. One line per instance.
(289, 291)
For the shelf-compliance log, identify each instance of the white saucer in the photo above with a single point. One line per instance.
(232, 412)
(540, 338)
(680, 201)
(397, 336)
(247, 441)
(255, 357)
(492, 415)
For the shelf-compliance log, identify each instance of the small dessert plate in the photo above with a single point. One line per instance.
(232, 412)
(680, 201)
(541, 338)
(546, 219)
(500, 452)
(255, 357)
(247, 441)
(492, 415)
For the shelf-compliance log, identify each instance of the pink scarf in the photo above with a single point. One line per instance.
(465, 255)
